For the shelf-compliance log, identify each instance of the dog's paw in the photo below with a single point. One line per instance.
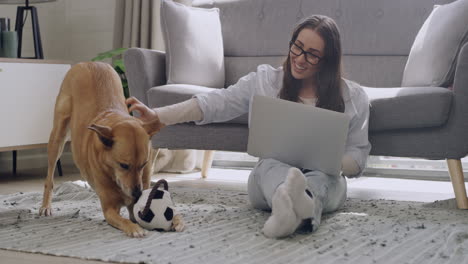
(178, 224)
(45, 211)
(135, 231)
(132, 217)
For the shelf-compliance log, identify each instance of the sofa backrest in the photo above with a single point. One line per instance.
(376, 34)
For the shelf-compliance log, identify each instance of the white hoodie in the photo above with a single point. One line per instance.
(225, 104)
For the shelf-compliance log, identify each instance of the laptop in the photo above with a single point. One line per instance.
(300, 135)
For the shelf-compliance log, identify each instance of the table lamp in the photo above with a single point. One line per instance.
(21, 15)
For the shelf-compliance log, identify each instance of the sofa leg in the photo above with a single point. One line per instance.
(207, 161)
(458, 182)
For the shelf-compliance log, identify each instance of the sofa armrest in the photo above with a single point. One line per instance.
(458, 121)
(460, 83)
(144, 69)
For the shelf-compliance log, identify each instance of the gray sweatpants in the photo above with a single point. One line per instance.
(268, 174)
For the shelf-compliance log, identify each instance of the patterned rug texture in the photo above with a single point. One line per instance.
(223, 228)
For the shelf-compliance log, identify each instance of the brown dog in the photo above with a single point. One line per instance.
(111, 148)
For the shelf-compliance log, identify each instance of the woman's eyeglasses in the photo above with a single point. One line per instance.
(298, 51)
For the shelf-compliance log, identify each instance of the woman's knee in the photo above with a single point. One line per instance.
(256, 197)
(331, 190)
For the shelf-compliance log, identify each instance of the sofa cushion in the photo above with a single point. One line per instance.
(413, 107)
(433, 56)
(194, 45)
(175, 93)
(377, 27)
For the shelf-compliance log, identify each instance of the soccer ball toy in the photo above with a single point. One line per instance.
(155, 209)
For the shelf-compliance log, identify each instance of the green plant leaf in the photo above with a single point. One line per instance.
(119, 71)
(125, 88)
(119, 64)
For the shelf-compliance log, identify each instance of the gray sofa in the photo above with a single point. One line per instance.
(424, 122)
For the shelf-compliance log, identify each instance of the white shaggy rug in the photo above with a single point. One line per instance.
(223, 228)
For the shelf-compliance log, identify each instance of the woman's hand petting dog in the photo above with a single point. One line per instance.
(146, 114)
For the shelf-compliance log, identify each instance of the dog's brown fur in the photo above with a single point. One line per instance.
(111, 148)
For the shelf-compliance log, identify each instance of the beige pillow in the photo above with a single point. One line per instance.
(194, 45)
(433, 56)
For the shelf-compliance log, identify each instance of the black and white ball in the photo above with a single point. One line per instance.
(155, 209)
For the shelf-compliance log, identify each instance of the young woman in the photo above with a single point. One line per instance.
(311, 74)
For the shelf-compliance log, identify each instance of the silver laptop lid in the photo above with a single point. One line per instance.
(300, 135)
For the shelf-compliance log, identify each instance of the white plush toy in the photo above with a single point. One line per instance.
(155, 209)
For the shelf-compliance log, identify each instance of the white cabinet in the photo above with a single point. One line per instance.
(28, 89)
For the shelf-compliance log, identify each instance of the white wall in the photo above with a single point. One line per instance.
(70, 30)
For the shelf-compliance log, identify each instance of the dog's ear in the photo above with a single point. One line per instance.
(104, 134)
(153, 127)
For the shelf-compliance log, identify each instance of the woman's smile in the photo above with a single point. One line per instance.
(299, 68)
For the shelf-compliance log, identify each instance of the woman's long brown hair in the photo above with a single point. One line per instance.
(329, 91)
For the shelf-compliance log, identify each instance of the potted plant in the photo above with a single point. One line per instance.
(117, 64)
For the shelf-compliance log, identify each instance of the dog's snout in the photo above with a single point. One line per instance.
(136, 193)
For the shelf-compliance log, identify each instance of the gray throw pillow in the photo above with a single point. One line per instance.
(433, 56)
(194, 45)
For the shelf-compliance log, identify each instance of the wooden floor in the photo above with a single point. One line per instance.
(14, 257)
